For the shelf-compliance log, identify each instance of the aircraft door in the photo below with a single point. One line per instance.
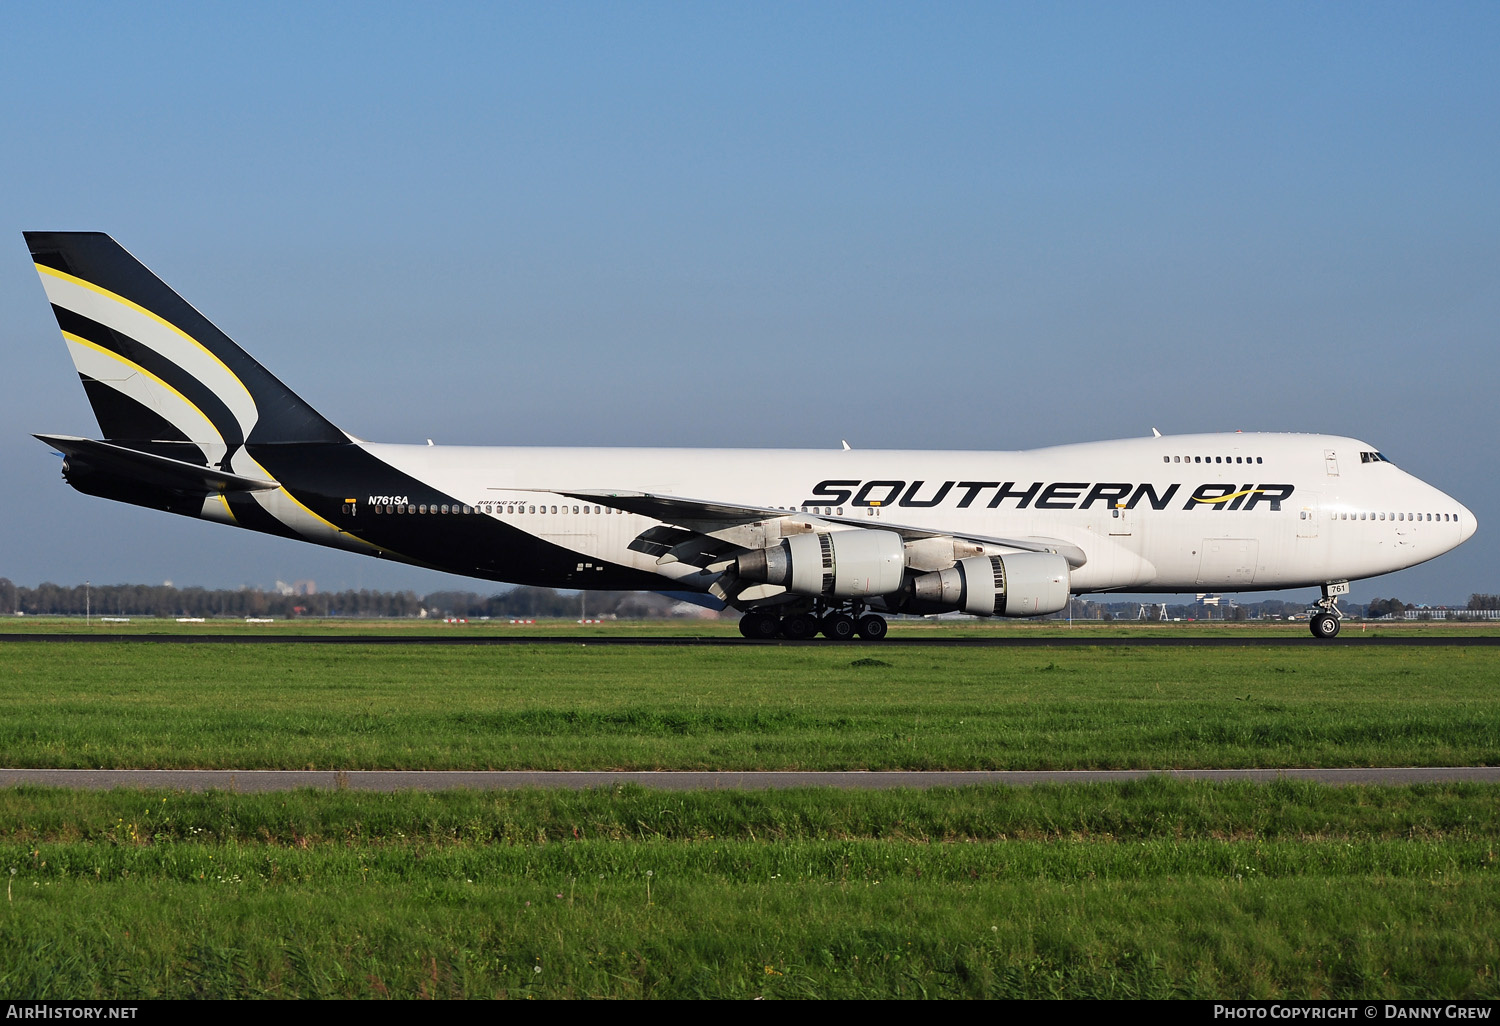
(1228, 562)
(1307, 518)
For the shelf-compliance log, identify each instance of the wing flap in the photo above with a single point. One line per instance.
(715, 518)
(672, 509)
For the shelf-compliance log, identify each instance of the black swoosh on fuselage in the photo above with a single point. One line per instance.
(322, 477)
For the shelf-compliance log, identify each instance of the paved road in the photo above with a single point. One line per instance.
(438, 780)
(1228, 640)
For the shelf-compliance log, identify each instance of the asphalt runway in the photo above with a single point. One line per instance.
(247, 781)
(1244, 640)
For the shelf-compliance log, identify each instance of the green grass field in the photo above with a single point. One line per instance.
(1157, 888)
(743, 707)
(1152, 889)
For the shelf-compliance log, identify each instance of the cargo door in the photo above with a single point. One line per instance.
(1228, 563)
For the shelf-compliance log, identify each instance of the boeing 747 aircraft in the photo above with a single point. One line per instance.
(802, 542)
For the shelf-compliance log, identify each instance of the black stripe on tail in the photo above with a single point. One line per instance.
(97, 260)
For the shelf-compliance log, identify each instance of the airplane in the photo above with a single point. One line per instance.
(800, 542)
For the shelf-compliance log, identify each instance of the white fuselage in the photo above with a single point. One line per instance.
(1233, 512)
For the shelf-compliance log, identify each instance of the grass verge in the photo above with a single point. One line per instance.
(547, 707)
(1150, 889)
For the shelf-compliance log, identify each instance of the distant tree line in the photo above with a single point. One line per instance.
(1395, 607)
(534, 603)
(1229, 609)
(48, 599)
(1386, 607)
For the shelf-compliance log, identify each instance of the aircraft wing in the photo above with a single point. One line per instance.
(147, 468)
(704, 516)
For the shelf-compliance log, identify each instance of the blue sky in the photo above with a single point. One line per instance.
(984, 226)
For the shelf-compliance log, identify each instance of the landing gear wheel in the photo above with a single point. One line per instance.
(798, 627)
(872, 627)
(838, 627)
(1324, 625)
(759, 626)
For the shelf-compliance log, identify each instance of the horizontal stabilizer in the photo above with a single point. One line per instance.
(157, 471)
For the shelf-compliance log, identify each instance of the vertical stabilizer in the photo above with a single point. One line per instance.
(155, 369)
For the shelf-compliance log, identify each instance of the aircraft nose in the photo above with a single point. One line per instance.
(1467, 524)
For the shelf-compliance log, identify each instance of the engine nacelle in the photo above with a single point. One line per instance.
(1015, 584)
(847, 564)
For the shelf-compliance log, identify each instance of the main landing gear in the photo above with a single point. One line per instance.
(1325, 623)
(836, 625)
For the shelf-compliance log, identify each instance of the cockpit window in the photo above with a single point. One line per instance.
(1373, 457)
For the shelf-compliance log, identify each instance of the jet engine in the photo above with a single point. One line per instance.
(1015, 584)
(847, 564)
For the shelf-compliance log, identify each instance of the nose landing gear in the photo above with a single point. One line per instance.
(1325, 623)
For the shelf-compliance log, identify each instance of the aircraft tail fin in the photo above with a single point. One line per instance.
(157, 372)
